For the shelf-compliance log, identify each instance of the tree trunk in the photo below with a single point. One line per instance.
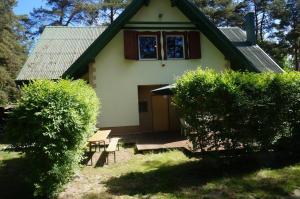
(261, 31)
(256, 20)
(296, 51)
(295, 40)
(111, 16)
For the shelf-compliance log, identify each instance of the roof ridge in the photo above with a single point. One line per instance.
(220, 27)
(75, 27)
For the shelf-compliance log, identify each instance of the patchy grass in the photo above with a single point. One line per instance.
(146, 163)
(169, 175)
(172, 175)
(8, 155)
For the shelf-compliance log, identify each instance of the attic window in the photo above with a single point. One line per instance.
(175, 47)
(147, 47)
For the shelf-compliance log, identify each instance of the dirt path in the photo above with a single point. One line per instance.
(91, 178)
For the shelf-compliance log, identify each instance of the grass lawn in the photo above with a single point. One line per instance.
(174, 175)
(166, 175)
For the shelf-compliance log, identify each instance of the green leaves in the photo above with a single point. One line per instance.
(233, 109)
(12, 51)
(52, 122)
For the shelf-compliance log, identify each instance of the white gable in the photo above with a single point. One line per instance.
(158, 8)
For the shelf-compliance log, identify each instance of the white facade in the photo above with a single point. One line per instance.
(117, 79)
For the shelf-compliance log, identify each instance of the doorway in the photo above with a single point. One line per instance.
(154, 113)
(160, 113)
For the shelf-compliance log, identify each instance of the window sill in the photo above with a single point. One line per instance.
(148, 59)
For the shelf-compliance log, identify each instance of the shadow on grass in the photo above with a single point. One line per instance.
(94, 159)
(13, 184)
(101, 160)
(189, 180)
(87, 156)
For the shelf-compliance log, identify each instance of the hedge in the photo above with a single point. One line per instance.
(51, 123)
(240, 110)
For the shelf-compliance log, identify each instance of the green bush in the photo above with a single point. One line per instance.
(255, 111)
(51, 123)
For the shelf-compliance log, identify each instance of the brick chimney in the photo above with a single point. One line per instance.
(249, 26)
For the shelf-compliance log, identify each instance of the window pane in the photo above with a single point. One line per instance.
(175, 47)
(147, 47)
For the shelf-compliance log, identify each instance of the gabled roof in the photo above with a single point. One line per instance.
(67, 51)
(240, 58)
(81, 65)
(190, 10)
(259, 58)
(57, 49)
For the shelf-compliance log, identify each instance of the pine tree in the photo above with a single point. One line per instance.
(263, 19)
(112, 8)
(222, 12)
(286, 26)
(63, 13)
(269, 37)
(12, 51)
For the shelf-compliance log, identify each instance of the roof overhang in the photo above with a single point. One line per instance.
(80, 66)
(166, 90)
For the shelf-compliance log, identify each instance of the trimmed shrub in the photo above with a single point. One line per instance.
(231, 110)
(51, 124)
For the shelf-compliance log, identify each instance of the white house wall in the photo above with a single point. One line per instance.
(117, 79)
(156, 7)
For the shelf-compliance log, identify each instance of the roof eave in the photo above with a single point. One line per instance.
(77, 69)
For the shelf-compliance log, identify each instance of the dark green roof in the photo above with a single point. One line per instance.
(259, 58)
(67, 51)
(239, 58)
(57, 49)
(81, 65)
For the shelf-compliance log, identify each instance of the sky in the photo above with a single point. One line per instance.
(26, 6)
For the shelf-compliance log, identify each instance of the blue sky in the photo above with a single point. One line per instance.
(26, 6)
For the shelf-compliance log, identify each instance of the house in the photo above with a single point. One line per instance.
(150, 44)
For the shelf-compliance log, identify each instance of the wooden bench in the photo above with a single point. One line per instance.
(98, 139)
(112, 147)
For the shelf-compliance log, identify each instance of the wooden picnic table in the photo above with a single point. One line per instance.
(99, 137)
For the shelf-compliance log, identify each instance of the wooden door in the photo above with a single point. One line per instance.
(145, 109)
(160, 113)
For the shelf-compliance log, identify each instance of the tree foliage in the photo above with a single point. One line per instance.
(12, 51)
(286, 23)
(277, 23)
(222, 12)
(74, 12)
(63, 13)
(8, 89)
(112, 8)
(52, 122)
